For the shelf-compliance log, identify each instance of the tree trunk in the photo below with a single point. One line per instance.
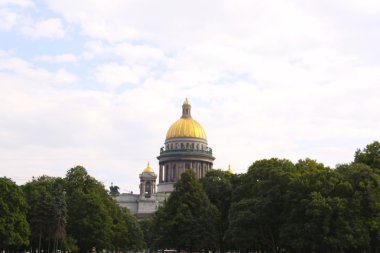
(39, 242)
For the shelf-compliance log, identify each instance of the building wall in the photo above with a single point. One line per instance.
(139, 205)
(129, 201)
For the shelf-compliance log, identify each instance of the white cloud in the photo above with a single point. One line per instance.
(138, 53)
(49, 28)
(94, 48)
(23, 70)
(60, 58)
(63, 76)
(9, 19)
(114, 74)
(265, 78)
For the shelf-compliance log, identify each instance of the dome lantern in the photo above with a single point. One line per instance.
(186, 109)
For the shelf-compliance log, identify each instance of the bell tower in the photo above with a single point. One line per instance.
(147, 182)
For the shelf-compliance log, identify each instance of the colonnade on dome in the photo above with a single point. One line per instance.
(171, 171)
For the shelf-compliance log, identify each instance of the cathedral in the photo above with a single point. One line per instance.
(185, 148)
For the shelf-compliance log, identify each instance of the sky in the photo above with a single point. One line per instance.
(98, 83)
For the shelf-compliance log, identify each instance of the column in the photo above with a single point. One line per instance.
(160, 174)
(143, 188)
(177, 173)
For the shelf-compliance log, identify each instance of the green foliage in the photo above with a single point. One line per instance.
(47, 214)
(14, 228)
(364, 201)
(318, 214)
(218, 186)
(306, 207)
(87, 210)
(148, 232)
(95, 219)
(126, 231)
(257, 211)
(370, 155)
(187, 221)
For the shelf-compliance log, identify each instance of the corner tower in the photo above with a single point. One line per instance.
(147, 182)
(185, 148)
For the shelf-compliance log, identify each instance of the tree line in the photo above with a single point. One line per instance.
(75, 213)
(276, 206)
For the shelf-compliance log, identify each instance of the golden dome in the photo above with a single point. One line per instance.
(186, 126)
(148, 169)
(230, 171)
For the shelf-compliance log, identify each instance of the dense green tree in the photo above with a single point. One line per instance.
(187, 221)
(365, 200)
(370, 155)
(319, 215)
(258, 206)
(14, 227)
(306, 208)
(126, 231)
(95, 220)
(147, 228)
(47, 214)
(218, 186)
(89, 219)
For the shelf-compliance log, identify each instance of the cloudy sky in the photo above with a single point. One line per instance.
(98, 83)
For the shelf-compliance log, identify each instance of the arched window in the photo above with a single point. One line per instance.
(148, 189)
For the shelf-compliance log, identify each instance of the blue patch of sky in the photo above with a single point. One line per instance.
(126, 86)
(231, 77)
(158, 69)
(30, 49)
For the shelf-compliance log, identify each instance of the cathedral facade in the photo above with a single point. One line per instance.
(185, 148)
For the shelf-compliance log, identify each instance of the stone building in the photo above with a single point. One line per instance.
(185, 148)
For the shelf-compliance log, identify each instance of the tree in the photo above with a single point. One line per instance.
(126, 231)
(218, 186)
(257, 209)
(319, 214)
(370, 155)
(94, 217)
(187, 220)
(47, 214)
(365, 201)
(89, 219)
(14, 227)
(147, 229)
